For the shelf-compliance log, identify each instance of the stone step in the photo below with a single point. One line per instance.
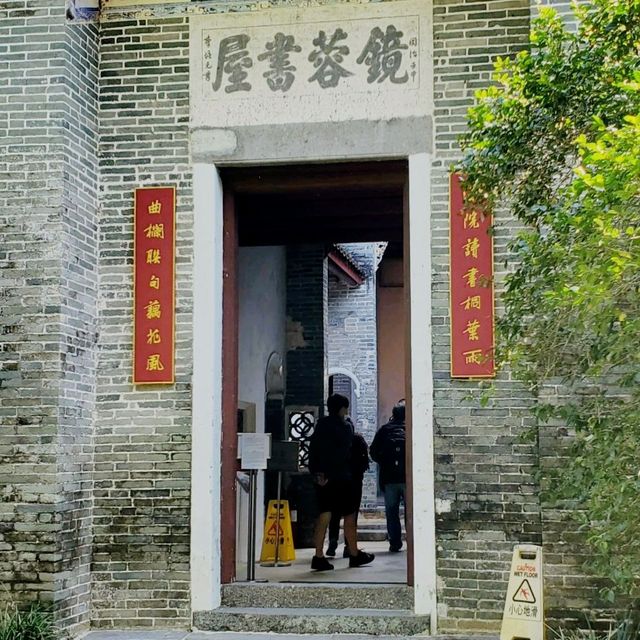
(372, 524)
(320, 596)
(369, 535)
(390, 622)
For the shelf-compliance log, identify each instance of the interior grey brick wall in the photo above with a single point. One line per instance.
(142, 451)
(48, 182)
(307, 322)
(352, 345)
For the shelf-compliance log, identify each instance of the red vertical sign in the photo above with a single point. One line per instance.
(471, 288)
(154, 288)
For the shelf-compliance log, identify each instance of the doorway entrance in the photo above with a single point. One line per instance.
(301, 281)
(329, 205)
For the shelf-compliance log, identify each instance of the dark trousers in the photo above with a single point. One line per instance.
(334, 523)
(393, 494)
(334, 529)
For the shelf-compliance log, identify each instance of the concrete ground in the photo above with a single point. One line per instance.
(203, 635)
(387, 568)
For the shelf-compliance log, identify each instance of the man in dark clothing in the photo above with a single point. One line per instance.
(359, 465)
(330, 451)
(388, 450)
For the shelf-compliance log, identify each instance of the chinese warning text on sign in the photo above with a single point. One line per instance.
(471, 288)
(154, 258)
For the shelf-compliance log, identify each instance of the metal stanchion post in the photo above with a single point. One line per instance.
(251, 543)
(278, 529)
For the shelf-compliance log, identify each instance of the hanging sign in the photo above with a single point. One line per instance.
(523, 611)
(154, 287)
(471, 288)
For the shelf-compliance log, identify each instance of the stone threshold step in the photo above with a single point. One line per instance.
(317, 596)
(392, 622)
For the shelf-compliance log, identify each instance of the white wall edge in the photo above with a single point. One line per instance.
(206, 389)
(424, 524)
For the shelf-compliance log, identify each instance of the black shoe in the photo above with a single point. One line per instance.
(361, 559)
(345, 553)
(320, 564)
(331, 549)
(394, 548)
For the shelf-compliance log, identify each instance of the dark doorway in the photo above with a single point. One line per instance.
(294, 206)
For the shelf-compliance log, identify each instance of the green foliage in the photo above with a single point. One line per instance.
(627, 628)
(558, 137)
(33, 624)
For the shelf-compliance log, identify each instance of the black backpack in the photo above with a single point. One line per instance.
(393, 452)
(359, 455)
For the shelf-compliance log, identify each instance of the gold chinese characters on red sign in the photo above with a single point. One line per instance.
(471, 288)
(154, 289)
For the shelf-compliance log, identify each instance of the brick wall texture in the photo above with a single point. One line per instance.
(48, 257)
(307, 320)
(352, 345)
(94, 476)
(142, 452)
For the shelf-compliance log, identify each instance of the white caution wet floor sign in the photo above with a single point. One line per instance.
(524, 609)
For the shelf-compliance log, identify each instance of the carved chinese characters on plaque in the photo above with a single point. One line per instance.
(340, 63)
(154, 306)
(471, 288)
(331, 59)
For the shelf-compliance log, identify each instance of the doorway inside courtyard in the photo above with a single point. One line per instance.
(315, 303)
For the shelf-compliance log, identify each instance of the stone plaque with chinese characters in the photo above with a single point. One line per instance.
(320, 64)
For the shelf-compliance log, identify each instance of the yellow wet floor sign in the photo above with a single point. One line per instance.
(524, 609)
(277, 532)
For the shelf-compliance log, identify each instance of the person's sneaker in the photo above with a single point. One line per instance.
(361, 559)
(394, 548)
(331, 549)
(345, 553)
(320, 564)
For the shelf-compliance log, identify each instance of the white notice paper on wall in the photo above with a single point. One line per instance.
(254, 450)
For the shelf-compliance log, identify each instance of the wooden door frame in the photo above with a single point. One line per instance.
(229, 453)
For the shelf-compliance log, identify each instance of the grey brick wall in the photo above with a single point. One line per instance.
(352, 345)
(483, 471)
(78, 319)
(563, 7)
(142, 452)
(48, 183)
(53, 383)
(307, 320)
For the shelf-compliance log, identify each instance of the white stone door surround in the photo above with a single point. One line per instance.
(240, 119)
(207, 387)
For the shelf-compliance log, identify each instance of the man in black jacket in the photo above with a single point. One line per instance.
(330, 452)
(359, 466)
(388, 450)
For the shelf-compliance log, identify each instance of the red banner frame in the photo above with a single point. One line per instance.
(471, 288)
(154, 285)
